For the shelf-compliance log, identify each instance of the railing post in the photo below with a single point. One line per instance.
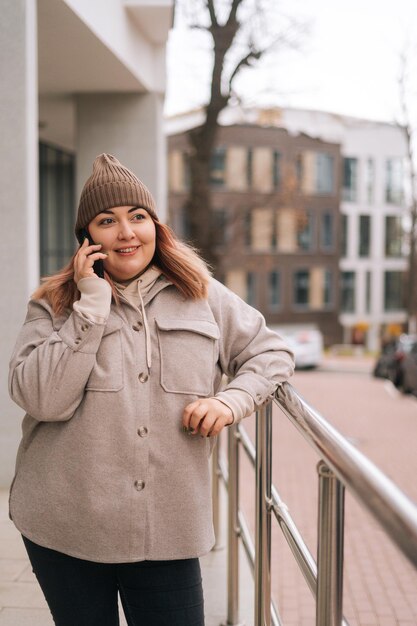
(215, 493)
(263, 516)
(233, 530)
(329, 607)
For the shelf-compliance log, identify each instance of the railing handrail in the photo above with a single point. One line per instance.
(341, 466)
(391, 508)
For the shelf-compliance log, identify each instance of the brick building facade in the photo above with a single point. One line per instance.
(276, 211)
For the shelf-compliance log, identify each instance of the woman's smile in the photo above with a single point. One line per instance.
(128, 251)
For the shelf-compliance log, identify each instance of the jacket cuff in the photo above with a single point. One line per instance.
(239, 402)
(94, 304)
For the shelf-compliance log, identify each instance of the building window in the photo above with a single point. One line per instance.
(347, 295)
(344, 236)
(301, 288)
(247, 228)
(218, 167)
(328, 288)
(56, 205)
(305, 231)
(276, 169)
(393, 236)
(324, 173)
(221, 227)
(350, 179)
(251, 288)
(370, 180)
(327, 235)
(368, 292)
(364, 235)
(393, 291)
(394, 181)
(315, 172)
(186, 170)
(249, 168)
(274, 290)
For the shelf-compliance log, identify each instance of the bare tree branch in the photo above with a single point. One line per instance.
(212, 11)
(252, 55)
(233, 11)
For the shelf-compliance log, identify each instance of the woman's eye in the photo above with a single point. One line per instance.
(138, 217)
(107, 220)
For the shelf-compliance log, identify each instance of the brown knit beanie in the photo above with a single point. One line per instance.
(110, 185)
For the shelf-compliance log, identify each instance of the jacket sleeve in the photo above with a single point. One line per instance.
(255, 358)
(50, 368)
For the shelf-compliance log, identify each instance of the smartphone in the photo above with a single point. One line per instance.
(98, 266)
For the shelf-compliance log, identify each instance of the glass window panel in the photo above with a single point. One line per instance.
(251, 288)
(394, 193)
(302, 288)
(305, 230)
(218, 166)
(328, 288)
(370, 180)
(324, 173)
(350, 179)
(364, 235)
(276, 169)
(249, 168)
(348, 292)
(327, 236)
(368, 292)
(393, 236)
(344, 235)
(393, 291)
(274, 290)
(56, 207)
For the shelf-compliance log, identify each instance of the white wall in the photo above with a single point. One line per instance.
(129, 126)
(19, 255)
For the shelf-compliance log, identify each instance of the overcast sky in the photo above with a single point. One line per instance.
(350, 61)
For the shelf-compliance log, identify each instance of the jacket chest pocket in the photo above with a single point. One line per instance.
(188, 353)
(107, 373)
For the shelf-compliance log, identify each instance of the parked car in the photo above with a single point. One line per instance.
(389, 363)
(305, 341)
(408, 370)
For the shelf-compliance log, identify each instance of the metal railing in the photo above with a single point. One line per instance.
(341, 466)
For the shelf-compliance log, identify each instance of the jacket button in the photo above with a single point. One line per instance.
(137, 326)
(139, 485)
(77, 340)
(259, 397)
(84, 327)
(143, 377)
(142, 431)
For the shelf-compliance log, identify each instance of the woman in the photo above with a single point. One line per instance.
(120, 380)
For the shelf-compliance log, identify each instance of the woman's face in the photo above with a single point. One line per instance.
(128, 236)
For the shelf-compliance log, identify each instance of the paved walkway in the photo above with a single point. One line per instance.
(22, 602)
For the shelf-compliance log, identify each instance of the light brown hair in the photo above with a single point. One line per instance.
(178, 261)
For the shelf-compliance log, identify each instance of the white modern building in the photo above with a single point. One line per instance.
(77, 78)
(373, 211)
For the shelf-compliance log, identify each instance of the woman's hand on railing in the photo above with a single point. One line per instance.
(206, 417)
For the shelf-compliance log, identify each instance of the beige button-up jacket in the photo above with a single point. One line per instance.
(104, 471)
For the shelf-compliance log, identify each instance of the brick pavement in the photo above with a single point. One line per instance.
(380, 586)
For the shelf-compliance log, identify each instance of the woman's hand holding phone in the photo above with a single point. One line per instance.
(85, 258)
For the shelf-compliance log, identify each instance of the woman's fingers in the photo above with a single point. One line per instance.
(85, 259)
(207, 416)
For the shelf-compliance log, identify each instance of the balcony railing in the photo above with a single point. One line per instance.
(341, 467)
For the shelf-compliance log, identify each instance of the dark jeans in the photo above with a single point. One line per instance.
(153, 593)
